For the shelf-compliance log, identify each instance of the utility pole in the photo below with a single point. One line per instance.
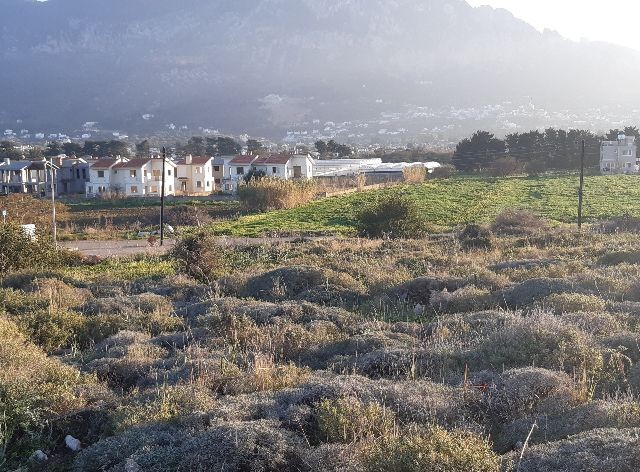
(581, 190)
(164, 162)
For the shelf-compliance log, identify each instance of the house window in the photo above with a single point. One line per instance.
(133, 173)
(198, 170)
(170, 188)
(77, 173)
(84, 173)
(89, 189)
(154, 189)
(199, 184)
(217, 181)
(240, 170)
(216, 168)
(101, 174)
(156, 173)
(169, 172)
(274, 170)
(134, 189)
(208, 184)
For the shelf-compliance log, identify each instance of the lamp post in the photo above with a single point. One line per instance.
(53, 199)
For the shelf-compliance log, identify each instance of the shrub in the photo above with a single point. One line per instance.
(20, 252)
(624, 224)
(414, 174)
(443, 172)
(187, 215)
(348, 419)
(518, 223)
(198, 256)
(393, 216)
(504, 167)
(542, 341)
(276, 194)
(574, 302)
(535, 168)
(604, 450)
(475, 237)
(34, 389)
(434, 450)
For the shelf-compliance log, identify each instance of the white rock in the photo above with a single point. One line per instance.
(72, 443)
(39, 456)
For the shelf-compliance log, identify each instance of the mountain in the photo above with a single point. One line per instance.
(260, 65)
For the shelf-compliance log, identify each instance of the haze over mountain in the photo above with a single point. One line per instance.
(259, 65)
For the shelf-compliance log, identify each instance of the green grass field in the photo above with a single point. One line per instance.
(449, 203)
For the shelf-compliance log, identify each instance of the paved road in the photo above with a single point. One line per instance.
(124, 248)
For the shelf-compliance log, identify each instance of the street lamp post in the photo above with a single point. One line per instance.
(53, 200)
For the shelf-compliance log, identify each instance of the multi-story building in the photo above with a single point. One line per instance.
(620, 156)
(100, 178)
(134, 178)
(33, 177)
(72, 176)
(195, 176)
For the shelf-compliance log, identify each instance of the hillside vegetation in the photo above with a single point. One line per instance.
(449, 203)
(359, 355)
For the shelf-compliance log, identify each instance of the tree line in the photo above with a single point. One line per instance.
(534, 151)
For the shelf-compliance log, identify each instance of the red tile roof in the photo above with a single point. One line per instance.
(104, 163)
(199, 161)
(132, 164)
(241, 160)
(275, 159)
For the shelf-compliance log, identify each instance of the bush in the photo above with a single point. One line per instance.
(475, 237)
(574, 302)
(34, 389)
(604, 450)
(535, 168)
(20, 252)
(514, 222)
(347, 420)
(433, 450)
(187, 215)
(276, 194)
(504, 167)
(198, 256)
(414, 174)
(393, 216)
(443, 172)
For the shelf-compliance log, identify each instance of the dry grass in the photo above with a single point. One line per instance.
(276, 194)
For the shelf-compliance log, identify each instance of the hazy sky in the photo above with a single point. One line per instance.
(614, 21)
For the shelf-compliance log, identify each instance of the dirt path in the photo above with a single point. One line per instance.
(125, 248)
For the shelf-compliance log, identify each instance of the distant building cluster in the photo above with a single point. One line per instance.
(186, 176)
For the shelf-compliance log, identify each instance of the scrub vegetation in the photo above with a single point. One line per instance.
(441, 353)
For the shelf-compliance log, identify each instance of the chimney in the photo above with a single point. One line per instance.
(188, 160)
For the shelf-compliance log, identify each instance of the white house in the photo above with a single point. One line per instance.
(134, 178)
(195, 176)
(100, 174)
(620, 156)
(221, 171)
(285, 166)
(238, 167)
(143, 177)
